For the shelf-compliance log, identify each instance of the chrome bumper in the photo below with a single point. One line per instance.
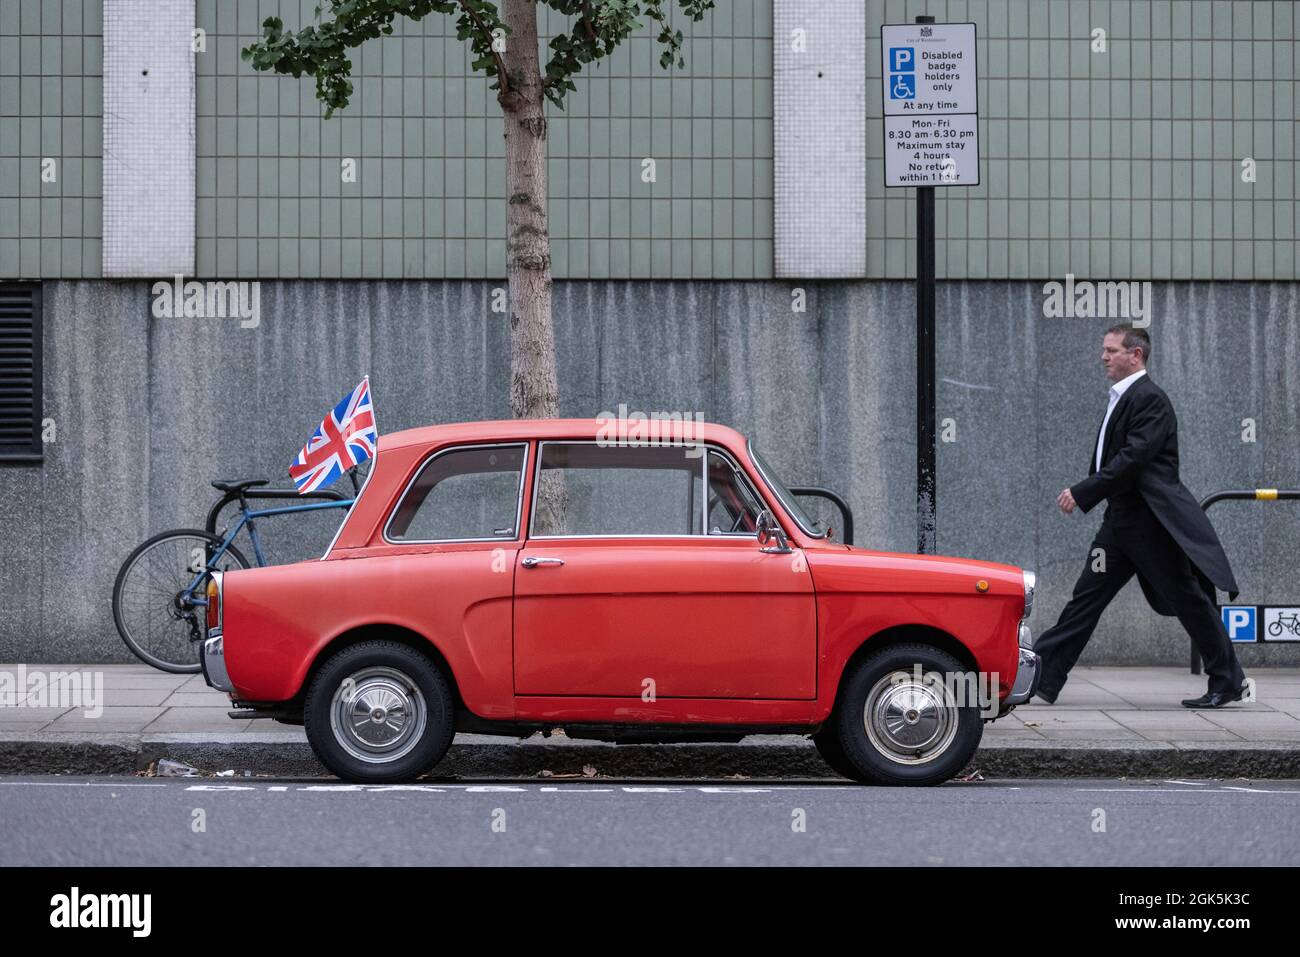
(213, 659)
(1026, 671)
(1026, 683)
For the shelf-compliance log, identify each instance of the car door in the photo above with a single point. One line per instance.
(449, 558)
(625, 589)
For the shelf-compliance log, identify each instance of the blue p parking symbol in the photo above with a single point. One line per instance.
(1239, 620)
(902, 60)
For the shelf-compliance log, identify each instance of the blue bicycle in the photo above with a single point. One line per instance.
(160, 596)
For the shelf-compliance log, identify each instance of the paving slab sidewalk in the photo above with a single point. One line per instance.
(1107, 722)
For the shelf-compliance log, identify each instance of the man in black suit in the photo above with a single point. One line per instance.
(1153, 528)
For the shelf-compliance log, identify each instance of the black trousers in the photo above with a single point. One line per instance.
(1147, 548)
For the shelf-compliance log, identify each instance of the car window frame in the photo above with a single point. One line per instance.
(744, 476)
(703, 535)
(791, 510)
(463, 447)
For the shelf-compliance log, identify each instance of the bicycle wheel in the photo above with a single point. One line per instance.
(157, 624)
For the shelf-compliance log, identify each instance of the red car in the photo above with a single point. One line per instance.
(509, 577)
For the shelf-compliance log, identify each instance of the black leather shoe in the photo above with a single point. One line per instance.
(1046, 697)
(1212, 699)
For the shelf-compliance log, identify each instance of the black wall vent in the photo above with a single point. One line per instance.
(20, 372)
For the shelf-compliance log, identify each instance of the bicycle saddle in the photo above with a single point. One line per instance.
(230, 485)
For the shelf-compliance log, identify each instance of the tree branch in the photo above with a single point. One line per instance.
(504, 78)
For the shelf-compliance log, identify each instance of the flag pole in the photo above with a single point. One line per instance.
(374, 414)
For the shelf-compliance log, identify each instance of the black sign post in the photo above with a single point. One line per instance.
(926, 408)
(930, 101)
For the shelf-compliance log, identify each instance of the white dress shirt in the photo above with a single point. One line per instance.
(1116, 392)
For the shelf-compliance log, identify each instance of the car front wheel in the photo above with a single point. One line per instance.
(379, 711)
(900, 718)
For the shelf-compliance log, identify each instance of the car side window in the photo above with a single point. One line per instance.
(590, 489)
(470, 493)
(733, 506)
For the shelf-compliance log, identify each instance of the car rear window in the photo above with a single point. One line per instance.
(465, 494)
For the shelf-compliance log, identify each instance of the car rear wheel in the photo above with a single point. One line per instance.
(898, 726)
(379, 711)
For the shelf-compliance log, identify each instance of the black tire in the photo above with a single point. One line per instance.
(158, 568)
(936, 738)
(827, 742)
(388, 678)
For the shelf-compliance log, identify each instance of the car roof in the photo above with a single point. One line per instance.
(504, 430)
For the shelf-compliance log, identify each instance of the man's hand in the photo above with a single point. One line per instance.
(1065, 501)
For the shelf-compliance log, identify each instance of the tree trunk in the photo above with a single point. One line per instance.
(534, 385)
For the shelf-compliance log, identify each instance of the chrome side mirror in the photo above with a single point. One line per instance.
(768, 531)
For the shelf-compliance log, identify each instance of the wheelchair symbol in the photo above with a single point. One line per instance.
(903, 87)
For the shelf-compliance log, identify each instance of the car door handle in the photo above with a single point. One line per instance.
(532, 561)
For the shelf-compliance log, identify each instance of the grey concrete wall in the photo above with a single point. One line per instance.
(149, 410)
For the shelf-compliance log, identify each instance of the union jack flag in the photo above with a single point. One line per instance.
(345, 439)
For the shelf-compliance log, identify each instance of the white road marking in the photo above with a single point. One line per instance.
(1207, 790)
(506, 788)
(75, 784)
(1175, 787)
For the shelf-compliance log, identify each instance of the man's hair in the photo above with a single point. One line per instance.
(1134, 338)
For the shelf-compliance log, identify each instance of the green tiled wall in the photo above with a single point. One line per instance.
(51, 103)
(427, 136)
(1120, 164)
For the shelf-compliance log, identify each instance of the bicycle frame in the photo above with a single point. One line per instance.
(247, 516)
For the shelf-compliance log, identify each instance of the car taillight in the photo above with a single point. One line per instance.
(214, 605)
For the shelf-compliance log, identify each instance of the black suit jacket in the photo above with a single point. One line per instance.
(1139, 466)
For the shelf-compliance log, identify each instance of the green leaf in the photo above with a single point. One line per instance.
(596, 29)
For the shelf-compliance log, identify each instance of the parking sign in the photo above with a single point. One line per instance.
(931, 121)
(902, 60)
(1239, 620)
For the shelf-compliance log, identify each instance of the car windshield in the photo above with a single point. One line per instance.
(788, 500)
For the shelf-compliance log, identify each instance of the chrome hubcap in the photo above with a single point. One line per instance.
(910, 721)
(378, 715)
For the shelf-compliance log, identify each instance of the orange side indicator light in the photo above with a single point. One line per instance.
(981, 586)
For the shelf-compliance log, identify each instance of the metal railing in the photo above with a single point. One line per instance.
(815, 491)
(1246, 495)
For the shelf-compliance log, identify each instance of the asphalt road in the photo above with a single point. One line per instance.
(134, 821)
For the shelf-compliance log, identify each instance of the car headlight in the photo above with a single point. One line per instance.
(1030, 580)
